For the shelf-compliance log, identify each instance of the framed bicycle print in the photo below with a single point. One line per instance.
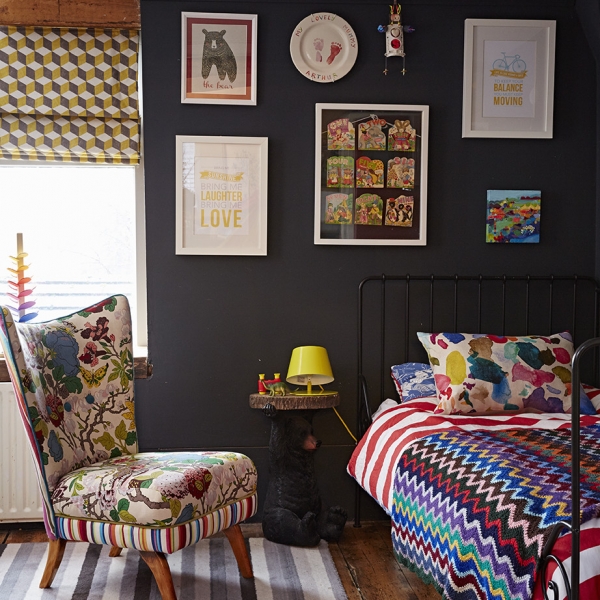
(508, 84)
(371, 174)
(218, 58)
(221, 195)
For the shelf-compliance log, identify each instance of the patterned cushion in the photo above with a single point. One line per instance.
(590, 400)
(413, 380)
(158, 489)
(486, 373)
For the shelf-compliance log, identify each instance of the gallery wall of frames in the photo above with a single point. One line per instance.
(316, 93)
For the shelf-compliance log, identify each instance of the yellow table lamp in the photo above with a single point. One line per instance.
(310, 366)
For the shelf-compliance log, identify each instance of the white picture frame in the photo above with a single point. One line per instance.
(508, 83)
(346, 211)
(221, 195)
(228, 77)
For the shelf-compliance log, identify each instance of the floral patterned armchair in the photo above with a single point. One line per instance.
(73, 380)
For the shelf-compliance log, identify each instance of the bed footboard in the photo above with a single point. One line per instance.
(572, 582)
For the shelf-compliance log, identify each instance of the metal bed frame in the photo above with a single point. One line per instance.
(391, 309)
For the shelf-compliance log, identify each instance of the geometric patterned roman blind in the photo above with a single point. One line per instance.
(69, 94)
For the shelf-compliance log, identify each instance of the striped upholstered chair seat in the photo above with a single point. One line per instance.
(74, 384)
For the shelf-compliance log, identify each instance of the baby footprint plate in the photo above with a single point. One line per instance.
(323, 47)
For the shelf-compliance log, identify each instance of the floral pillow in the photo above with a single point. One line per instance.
(476, 373)
(413, 380)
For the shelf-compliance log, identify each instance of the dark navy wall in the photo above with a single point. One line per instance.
(216, 322)
(588, 12)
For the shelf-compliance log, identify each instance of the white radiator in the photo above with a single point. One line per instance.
(20, 498)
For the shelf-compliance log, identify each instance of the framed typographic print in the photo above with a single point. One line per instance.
(221, 195)
(508, 85)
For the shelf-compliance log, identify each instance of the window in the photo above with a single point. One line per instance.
(72, 181)
(79, 231)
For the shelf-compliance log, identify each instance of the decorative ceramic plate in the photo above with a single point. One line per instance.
(323, 47)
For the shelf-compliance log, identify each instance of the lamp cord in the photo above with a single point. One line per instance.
(344, 424)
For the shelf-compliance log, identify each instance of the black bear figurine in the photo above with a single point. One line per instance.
(293, 512)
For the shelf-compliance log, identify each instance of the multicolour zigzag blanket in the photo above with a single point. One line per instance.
(472, 510)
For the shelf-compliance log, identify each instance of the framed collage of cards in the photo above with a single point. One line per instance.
(371, 174)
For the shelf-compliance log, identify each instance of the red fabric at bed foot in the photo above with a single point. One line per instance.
(590, 563)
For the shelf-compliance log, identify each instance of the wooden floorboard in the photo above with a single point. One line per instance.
(369, 559)
(363, 557)
(16, 536)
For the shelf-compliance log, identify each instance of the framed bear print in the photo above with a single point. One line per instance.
(218, 58)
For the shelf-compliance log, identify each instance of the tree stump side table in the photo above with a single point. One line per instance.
(293, 402)
(293, 512)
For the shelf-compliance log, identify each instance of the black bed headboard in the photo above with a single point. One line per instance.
(392, 309)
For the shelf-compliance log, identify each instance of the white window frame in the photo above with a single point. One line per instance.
(140, 326)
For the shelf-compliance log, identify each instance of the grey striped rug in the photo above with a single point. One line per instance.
(206, 571)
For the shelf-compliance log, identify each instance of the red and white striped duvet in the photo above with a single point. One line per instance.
(373, 464)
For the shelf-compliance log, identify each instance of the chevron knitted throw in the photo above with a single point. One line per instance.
(472, 510)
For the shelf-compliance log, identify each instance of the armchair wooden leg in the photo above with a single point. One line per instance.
(115, 551)
(236, 539)
(159, 566)
(56, 550)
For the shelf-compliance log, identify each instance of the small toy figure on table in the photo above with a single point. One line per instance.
(276, 388)
(272, 387)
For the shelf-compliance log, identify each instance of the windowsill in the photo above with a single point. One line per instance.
(141, 366)
(140, 351)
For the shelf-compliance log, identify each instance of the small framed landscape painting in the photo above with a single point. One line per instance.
(513, 216)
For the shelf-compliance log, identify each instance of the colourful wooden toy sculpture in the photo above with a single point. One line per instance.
(19, 292)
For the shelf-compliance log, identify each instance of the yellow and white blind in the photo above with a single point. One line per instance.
(69, 94)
